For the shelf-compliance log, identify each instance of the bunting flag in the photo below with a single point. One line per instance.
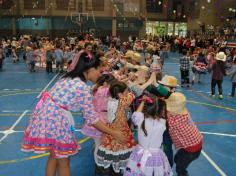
(231, 44)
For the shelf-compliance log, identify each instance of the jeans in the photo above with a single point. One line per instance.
(233, 89)
(49, 66)
(213, 85)
(184, 76)
(183, 159)
(1, 63)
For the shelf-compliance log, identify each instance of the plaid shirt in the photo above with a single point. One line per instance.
(183, 131)
(184, 63)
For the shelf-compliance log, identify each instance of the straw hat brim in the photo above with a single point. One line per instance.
(166, 84)
(176, 110)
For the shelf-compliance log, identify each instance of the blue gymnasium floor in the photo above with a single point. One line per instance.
(19, 91)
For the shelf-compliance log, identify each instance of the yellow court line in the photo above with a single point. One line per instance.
(212, 105)
(38, 156)
(15, 115)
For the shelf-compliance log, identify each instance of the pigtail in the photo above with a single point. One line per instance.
(143, 127)
(162, 111)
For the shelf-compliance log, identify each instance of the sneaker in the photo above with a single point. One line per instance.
(221, 97)
(230, 96)
(213, 96)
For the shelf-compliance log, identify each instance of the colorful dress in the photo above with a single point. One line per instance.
(111, 152)
(51, 124)
(100, 100)
(147, 158)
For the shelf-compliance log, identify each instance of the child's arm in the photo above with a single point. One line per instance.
(140, 107)
(149, 82)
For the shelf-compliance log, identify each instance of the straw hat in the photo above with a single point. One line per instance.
(143, 67)
(129, 54)
(169, 81)
(176, 103)
(26, 36)
(28, 48)
(221, 56)
(137, 57)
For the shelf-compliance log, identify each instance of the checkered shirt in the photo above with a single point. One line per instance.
(183, 131)
(184, 63)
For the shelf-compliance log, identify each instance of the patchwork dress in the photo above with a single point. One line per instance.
(111, 152)
(51, 126)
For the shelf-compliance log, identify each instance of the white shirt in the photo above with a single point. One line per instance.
(193, 42)
(155, 129)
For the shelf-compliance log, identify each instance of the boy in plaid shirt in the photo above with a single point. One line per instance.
(184, 68)
(184, 133)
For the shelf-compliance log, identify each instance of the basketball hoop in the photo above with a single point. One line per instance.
(78, 18)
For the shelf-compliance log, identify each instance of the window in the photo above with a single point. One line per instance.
(95, 5)
(34, 4)
(65, 4)
(6, 4)
(154, 6)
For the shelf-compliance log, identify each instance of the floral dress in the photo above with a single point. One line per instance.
(51, 124)
(111, 152)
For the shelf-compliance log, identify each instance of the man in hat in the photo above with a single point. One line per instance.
(218, 69)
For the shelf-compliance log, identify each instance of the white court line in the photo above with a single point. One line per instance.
(48, 85)
(219, 134)
(213, 164)
(6, 111)
(171, 63)
(10, 130)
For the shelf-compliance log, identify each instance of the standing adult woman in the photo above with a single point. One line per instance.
(51, 125)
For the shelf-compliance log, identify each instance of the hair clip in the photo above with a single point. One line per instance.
(147, 99)
(89, 56)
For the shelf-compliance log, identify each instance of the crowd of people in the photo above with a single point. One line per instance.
(129, 92)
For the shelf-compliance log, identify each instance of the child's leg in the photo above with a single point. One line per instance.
(183, 159)
(181, 76)
(47, 66)
(187, 77)
(50, 67)
(64, 166)
(213, 85)
(97, 143)
(51, 166)
(219, 84)
(233, 89)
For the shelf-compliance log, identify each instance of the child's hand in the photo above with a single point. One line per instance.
(120, 136)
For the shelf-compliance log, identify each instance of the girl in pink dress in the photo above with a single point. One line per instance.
(100, 99)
